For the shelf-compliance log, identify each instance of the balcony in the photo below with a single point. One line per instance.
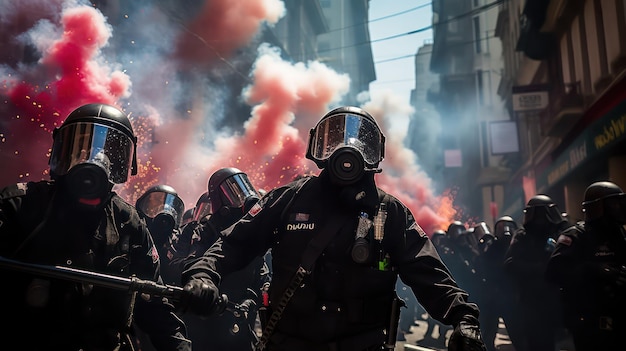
(567, 105)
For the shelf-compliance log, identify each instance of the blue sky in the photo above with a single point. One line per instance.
(389, 18)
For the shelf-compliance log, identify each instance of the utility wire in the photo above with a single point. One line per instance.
(426, 53)
(463, 15)
(380, 18)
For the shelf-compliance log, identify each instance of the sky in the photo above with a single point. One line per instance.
(394, 58)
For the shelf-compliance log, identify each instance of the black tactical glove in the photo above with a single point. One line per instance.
(200, 296)
(466, 335)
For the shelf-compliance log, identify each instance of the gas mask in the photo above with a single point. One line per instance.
(347, 143)
(162, 209)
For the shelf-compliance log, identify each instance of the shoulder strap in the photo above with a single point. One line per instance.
(313, 250)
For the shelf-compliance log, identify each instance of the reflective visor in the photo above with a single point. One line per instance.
(354, 131)
(202, 210)
(236, 189)
(159, 202)
(94, 143)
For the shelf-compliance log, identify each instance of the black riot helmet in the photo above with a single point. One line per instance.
(162, 208)
(187, 217)
(504, 227)
(230, 188)
(347, 142)
(604, 201)
(439, 237)
(540, 210)
(94, 148)
(483, 233)
(455, 230)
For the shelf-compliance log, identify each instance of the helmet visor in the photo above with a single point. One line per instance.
(154, 203)
(92, 143)
(236, 189)
(347, 130)
(549, 213)
(202, 210)
(505, 228)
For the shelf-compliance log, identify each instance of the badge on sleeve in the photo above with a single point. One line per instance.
(564, 240)
(412, 225)
(255, 210)
(154, 254)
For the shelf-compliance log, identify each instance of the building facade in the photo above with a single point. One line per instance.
(346, 46)
(467, 56)
(571, 57)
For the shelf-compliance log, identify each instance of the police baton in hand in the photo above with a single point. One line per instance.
(132, 284)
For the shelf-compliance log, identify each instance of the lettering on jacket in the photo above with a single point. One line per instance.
(300, 226)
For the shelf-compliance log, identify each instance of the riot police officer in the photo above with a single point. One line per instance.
(230, 195)
(589, 265)
(162, 210)
(525, 263)
(76, 220)
(338, 245)
(498, 297)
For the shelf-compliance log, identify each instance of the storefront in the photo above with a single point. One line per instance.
(597, 153)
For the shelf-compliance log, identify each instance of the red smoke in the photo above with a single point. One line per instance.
(223, 26)
(288, 99)
(67, 76)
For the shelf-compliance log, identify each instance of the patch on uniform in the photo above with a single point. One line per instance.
(255, 210)
(565, 240)
(154, 253)
(22, 186)
(301, 217)
(414, 226)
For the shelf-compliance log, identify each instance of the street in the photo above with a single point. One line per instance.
(414, 341)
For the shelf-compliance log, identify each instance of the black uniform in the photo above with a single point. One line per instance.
(525, 263)
(38, 226)
(588, 264)
(341, 303)
(228, 331)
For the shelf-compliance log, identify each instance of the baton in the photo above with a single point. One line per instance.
(100, 279)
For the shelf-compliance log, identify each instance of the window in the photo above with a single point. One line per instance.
(479, 87)
(453, 25)
(323, 47)
(419, 68)
(477, 39)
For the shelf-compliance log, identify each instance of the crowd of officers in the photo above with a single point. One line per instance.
(552, 281)
(541, 277)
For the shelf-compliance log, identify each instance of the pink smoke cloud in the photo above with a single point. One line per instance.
(287, 99)
(68, 75)
(222, 26)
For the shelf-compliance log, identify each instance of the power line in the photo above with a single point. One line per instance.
(399, 13)
(463, 15)
(426, 53)
(380, 18)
